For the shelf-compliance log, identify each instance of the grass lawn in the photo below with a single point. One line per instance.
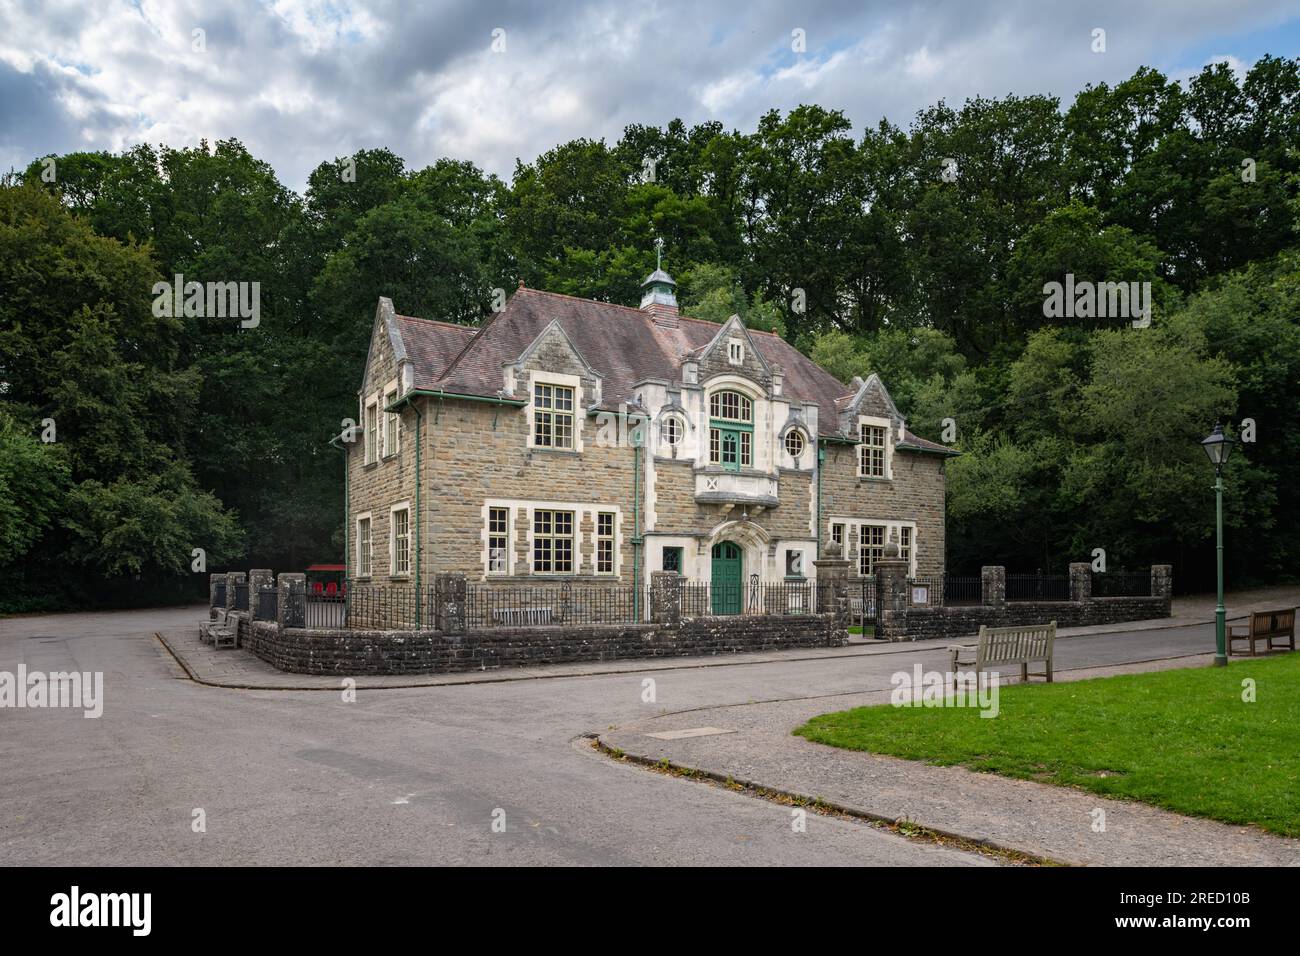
(1179, 739)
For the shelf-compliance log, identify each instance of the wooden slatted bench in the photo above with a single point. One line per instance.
(1265, 626)
(1024, 645)
(223, 632)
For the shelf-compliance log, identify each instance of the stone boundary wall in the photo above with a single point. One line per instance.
(350, 652)
(920, 624)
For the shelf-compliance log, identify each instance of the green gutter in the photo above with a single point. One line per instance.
(439, 393)
(821, 462)
(917, 449)
(636, 530)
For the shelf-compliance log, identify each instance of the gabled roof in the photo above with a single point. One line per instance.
(623, 344)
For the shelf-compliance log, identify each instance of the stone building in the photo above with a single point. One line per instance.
(578, 440)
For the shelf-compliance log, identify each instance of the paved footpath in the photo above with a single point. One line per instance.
(413, 774)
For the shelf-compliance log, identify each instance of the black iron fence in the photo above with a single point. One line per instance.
(962, 590)
(862, 601)
(268, 604)
(241, 595)
(378, 606)
(1038, 587)
(1122, 584)
(219, 594)
(494, 605)
(754, 597)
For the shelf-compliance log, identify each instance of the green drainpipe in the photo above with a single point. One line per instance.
(419, 541)
(346, 461)
(821, 461)
(636, 530)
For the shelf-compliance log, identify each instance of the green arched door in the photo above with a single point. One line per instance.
(727, 578)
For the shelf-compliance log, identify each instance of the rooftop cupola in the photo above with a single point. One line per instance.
(659, 297)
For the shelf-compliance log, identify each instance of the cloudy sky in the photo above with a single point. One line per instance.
(300, 81)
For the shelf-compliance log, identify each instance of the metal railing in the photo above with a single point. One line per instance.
(962, 590)
(539, 605)
(379, 606)
(268, 603)
(1038, 587)
(219, 594)
(1121, 584)
(241, 595)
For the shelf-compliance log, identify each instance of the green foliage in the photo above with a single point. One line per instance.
(918, 253)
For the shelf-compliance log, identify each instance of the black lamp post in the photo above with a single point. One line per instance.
(1218, 447)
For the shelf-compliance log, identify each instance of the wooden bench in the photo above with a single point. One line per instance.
(223, 632)
(1265, 626)
(1023, 645)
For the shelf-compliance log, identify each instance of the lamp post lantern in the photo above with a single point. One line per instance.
(1218, 447)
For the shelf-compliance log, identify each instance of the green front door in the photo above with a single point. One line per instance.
(727, 578)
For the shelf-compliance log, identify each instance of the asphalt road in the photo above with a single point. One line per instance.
(412, 776)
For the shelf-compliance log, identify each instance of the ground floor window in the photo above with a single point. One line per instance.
(672, 560)
(401, 541)
(363, 547)
(871, 548)
(498, 540)
(553, 542)
(905, 544)
(605, 542)
(837, 535)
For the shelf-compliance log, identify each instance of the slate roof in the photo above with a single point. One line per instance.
(622, 344)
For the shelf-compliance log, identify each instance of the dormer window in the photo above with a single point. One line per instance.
(735, 351)
(552, 416)
(873, 449)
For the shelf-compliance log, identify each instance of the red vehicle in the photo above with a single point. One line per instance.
(327, 581)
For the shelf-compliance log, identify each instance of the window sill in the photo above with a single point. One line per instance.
(399, 577)
(542, 449)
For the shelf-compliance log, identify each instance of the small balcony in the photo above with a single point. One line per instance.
(751, 489)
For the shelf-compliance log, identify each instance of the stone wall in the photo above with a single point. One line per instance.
(915, 493)
(356, 652)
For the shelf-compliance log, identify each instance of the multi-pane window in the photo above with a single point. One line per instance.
(672, 560)
(672, 430)
(392, 423)
(871, 451)
(731, 406)
(794, 444)
(794, 564)
(553, 542)
(735, 352)
(837, 534)
(498, 540)
(372, 433)
(552, 416)
(871, 548)
(605, 542)
(402, 541)
(363, 547)
(905, 543)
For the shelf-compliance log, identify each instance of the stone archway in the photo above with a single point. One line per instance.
(752, 539)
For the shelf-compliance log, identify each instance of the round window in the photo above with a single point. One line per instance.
(672, 430)
(794, 444)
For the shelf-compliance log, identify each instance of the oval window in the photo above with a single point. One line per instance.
(794, 444)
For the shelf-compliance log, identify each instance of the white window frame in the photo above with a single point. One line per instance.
(574, 537)
(611, 539)
(576, 414)
(371, 429)
(886, 426)
(392, 424)
(854, 526)
(489, 535)
(366, 557)
(404, 506)
(735, 351)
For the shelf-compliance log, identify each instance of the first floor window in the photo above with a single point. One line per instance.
(392, 422)
(672, 560)
(363, 547)
(372, 433)
(498, 540)
(794, 444)
(730, 448)
(552, 416)
(871, 451)
(872, 547)
(672, 430)
(605, 543)
(553, 542)
(402, 541)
